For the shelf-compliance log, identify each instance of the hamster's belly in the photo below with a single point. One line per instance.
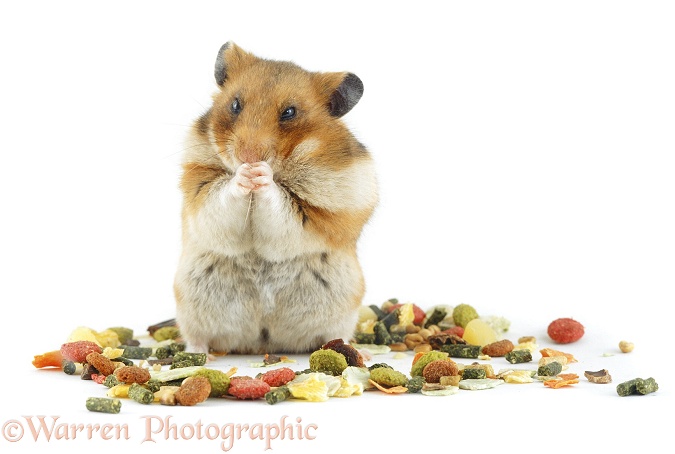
(245, 304)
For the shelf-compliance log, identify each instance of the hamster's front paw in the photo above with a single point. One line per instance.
(256, 177)
(262, 176)
(241, 183)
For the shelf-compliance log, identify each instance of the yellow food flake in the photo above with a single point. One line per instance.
(406, 315)
(518, 377)
(551, 352)
(367, 327)
(346, 389)
(112, 353)
(108, 338)
(562, 360)
(531, 346)
(119, 391)
(312, 389)
(82, 333)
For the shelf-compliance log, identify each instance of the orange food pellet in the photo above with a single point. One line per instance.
(49, 359)
(555, 384)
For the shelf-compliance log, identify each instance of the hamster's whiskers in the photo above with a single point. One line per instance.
(248, 211)
(215, 154)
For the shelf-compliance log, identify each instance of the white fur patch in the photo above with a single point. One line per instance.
(306, 147)
(354, 188)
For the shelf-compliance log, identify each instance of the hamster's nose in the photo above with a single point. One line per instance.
(251, 151)
(249, 155)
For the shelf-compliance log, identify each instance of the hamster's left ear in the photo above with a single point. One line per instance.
(230, 57)
(342, 92)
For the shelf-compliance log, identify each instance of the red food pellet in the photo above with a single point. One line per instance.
(248, 388)
(456, 330)
(565, 330)
(98, 378)
(278, 377)
(77, 351)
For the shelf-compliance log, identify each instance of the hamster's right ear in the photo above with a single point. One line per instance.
(341, 90)
(229, 57)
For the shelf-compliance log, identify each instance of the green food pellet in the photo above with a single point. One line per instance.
(162, 352)
(278, 395)
(328, 361)
(647, 386)
(415, 384)
(627, 388)
(123, 360)
(103, 404)
(111, 381)
(463, 314)
(549, 370)
(166, 333)
(473, 373)
(388, 377)
(379, 312)
(219, 380)
(376, 365)
(137, 352)
(382, 336)
(197, 359)
(518, 356)
(153, 385)
(68, 367)
(364, 338)
(141, 394)
(181, 364)
(637, 386)
(461, 350)
(391, 318)
(436, 317)
(176, 347)
(397, 337)
(123, 334)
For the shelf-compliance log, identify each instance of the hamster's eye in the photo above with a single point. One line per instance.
(235, 107)
(288, 114)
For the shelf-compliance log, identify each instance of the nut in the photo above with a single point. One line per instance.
(398, 347)
(425, 333)
(413, 340)
(626, 347)
(422, 348)
(411, 329)
(434, 329)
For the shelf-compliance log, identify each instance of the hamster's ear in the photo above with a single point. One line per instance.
(342, 90)
(229, 57)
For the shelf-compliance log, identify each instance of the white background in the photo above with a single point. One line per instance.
(525, 158)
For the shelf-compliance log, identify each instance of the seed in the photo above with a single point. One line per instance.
(626, 347)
